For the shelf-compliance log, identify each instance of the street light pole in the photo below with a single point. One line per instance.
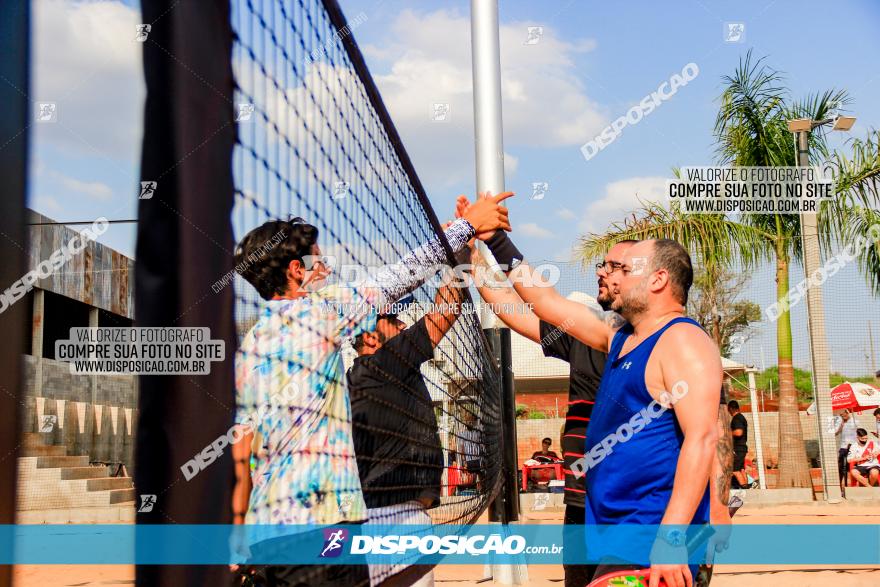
(817, 338)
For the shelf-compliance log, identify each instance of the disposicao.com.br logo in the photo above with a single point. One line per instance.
(475, 545)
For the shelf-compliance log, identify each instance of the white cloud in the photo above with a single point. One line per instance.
(430, 63)
(532, 229)
(564, 256)
(86, 61)
(621, 198)
(93, 189)
(511, 164)
(566, 214)
(48, 206)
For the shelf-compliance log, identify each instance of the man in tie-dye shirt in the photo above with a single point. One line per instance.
(289, 369)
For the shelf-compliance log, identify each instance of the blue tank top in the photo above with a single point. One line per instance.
(631, 481)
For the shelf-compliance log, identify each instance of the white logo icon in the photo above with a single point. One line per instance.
(734, 32)
(47, 424)
(142, 31)
(47, 112)
(534, 35)
(147, 503)
(539, 189)
(245, 110)
(440, 112)
(333, 543)
(638, 266)
(541, 501)
(340, 190)
(148, 188)
(736, 342)
(626, 365)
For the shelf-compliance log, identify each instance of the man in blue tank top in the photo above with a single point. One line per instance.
(653, 434)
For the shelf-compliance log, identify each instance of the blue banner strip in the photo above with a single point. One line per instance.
(777, 544)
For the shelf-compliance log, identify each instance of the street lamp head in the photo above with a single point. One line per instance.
(807, 124)
(800, 125)
(844, 122)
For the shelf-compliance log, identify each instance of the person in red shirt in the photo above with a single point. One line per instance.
(545, 454)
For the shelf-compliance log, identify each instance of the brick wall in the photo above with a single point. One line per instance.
(547, 402)
(530, 432)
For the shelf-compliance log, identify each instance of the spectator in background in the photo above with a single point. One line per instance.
(545, 454)
(845, 430)
(863, 454)
(877, 422)
(739, 429)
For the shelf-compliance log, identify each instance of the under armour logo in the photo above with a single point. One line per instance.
(626, 365)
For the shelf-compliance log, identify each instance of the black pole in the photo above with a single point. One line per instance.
(497, 507)
(15, 69)
(505, 507)
(508, 430)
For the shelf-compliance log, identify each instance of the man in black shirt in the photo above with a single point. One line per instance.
(585, 372)
(396, 439)
(739, 428)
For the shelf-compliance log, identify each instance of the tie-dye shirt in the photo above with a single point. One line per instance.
(290, 391)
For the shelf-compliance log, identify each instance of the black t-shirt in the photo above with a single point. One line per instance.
(585, 373)
(740, 443)
(396, 441)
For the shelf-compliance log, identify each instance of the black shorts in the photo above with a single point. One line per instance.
(739, 460)
(866, 470)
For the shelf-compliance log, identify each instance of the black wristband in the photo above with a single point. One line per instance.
(463, 257)
(505, 252)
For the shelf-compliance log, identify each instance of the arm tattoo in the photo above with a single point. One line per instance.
(613, 320)
(724, 470)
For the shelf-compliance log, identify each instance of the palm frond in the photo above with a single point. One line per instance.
(714, 240)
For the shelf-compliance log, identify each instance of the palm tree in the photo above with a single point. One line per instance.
(751, 130)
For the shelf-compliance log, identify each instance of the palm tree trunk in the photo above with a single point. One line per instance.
(793, 471)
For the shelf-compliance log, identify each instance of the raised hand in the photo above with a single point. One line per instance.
(486, 215)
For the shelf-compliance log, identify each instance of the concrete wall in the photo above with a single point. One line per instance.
(101, 427)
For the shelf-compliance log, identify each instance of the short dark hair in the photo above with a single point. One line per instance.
(861, 432)
(733, 404)
(543, 440)
(877, 412)
(670, 255)
(264, 253)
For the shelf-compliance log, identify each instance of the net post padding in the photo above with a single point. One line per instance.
(14, 125)
(184, 245)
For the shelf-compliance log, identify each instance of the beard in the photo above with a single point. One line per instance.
(605, 300)
(631, 304)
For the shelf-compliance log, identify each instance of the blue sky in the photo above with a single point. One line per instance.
(593, 62)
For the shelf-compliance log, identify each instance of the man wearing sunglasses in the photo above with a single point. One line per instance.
(654, 353)
(305, 472)
(585, 373)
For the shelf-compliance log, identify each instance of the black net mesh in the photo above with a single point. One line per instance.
(314, 142)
